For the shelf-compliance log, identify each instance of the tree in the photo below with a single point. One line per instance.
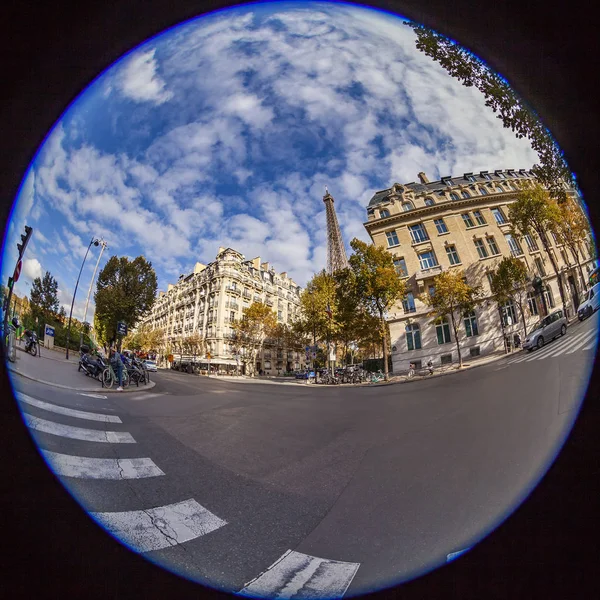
(552, 171)
(378, 285)
(257, 323)
(509, 282)
(43, 297)
(125, 292)
(572, 229)
(534, 211)
(452, 297)
(194, 344)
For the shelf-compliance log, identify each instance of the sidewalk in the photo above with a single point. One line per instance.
(52, 368)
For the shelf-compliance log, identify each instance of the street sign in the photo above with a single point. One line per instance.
(49, 331)
(170, 358)
(208, 355)
(121, 328)
(17, 271)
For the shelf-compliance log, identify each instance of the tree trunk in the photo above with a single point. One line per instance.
(576, 255)
(386, 376)
(455, 328)
(523, 318)
(542, 235)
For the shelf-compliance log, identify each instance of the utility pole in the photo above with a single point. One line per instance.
(87, 301)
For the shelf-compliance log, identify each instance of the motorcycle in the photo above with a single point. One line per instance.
(31, 342)
(94, 367)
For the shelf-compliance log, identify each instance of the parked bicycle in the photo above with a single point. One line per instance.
(109, 377)
(10, 341)
(376, 377)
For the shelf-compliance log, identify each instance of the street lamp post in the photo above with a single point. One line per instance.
(95, 242)
(87, 301)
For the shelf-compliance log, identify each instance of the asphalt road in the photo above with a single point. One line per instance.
(389, 479)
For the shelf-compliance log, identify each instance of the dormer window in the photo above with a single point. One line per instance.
(429, 202)
(485, 175)
(447, 181)
(384, 212)
(470, 177)
(500, 174)
(511, 172)
(454, 196)
(406, 206)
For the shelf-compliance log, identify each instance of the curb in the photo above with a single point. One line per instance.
(148, 386)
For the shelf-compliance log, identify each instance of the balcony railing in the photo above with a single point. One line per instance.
(429, 272)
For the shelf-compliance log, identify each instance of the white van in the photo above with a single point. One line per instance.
(590, 304)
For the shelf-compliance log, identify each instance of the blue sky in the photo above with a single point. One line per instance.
(224, 131)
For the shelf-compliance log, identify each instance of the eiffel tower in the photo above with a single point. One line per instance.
(336, 253)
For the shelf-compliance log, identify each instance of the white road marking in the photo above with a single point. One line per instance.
(93, 395)
(78, 433)
(586, 340)
(63, 410)
(101, 468)
(552, 349)
(583, 338)
(161, 527)
(297, 575)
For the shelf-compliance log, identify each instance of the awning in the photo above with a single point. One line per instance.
(221, 361)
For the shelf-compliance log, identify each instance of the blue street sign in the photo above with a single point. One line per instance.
(49, 331)
(121, 328)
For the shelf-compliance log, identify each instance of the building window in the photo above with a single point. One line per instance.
(431, 290)
(447, 181)
(555, 238)
(500, 174)
(479, 217)
(499, 216)
(486, 175)
(564, 257)
(406, 206)
(480, 248)
(532, 304)
(490, 278)
(513, 186)
(454, 196)
(232, 316)
(471, 327)
(400, 266)
(429, 201)
(515, 247)
(427, 260)
(442, 329)
(470, 178)
(452, 254)
(465, 194)
(408, 303)
(418, 233)
(413, 337)
(509, 315)
(492, 245)
(466, 217)
(384, 213)
(532, 244)
(440, 225)
(483, 191)
(549, 298)
(392, 238)
(539, 267)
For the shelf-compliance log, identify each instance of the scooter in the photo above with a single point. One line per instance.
(31, 343)
(90, 366)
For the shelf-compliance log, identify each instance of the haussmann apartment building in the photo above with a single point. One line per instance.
(462, 223)
(208, 300)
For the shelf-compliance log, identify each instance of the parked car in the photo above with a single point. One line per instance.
(590, 304)
(150, 365)
(546, 330)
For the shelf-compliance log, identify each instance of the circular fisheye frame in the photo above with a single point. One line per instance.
(290, 310)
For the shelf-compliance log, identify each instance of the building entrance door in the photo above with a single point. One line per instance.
(574, 293)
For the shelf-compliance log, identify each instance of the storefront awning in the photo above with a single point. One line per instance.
(222, 361)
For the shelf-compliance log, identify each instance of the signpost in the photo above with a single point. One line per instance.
(17, 272)
(208, 358)
(49, 337)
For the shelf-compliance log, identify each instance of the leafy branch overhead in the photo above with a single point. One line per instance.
(552, 170)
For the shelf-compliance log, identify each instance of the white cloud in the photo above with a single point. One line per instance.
(32, 268)
(139, 79)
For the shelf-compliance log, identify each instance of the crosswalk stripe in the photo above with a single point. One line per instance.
(554, 348)
(583, 342)
(63, 410)
(83, 467)
(580, 340)
(77, 433)
(161, 527)
(296, 575)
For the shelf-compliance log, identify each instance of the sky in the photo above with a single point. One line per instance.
(225, 130)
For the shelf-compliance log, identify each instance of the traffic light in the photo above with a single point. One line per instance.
(11, 283)
(24, 241)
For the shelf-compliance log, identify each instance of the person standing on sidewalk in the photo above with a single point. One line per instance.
(117, 364)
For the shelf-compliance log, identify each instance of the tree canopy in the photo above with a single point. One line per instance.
(552, 170)
(124, 292)
(43, 298)
(510, 281)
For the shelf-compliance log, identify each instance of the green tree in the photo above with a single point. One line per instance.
(257, 323)
(125, 292)
(452, 297)
(552, 170)
(43, 297)
(573, 229)
(378, 285)
(510, 281)
(534, 211)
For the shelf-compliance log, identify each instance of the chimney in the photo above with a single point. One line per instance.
(423, 177)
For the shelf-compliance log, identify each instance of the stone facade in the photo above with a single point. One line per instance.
(462, 223)
(210, 298)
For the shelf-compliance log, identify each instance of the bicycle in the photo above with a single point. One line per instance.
(109, 377)
(11, 344)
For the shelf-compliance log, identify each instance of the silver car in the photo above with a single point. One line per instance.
(546, 330)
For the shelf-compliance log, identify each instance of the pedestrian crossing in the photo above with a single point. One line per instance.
(568, 344)
(157, 528)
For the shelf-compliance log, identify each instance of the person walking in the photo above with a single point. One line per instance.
(117, 364)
